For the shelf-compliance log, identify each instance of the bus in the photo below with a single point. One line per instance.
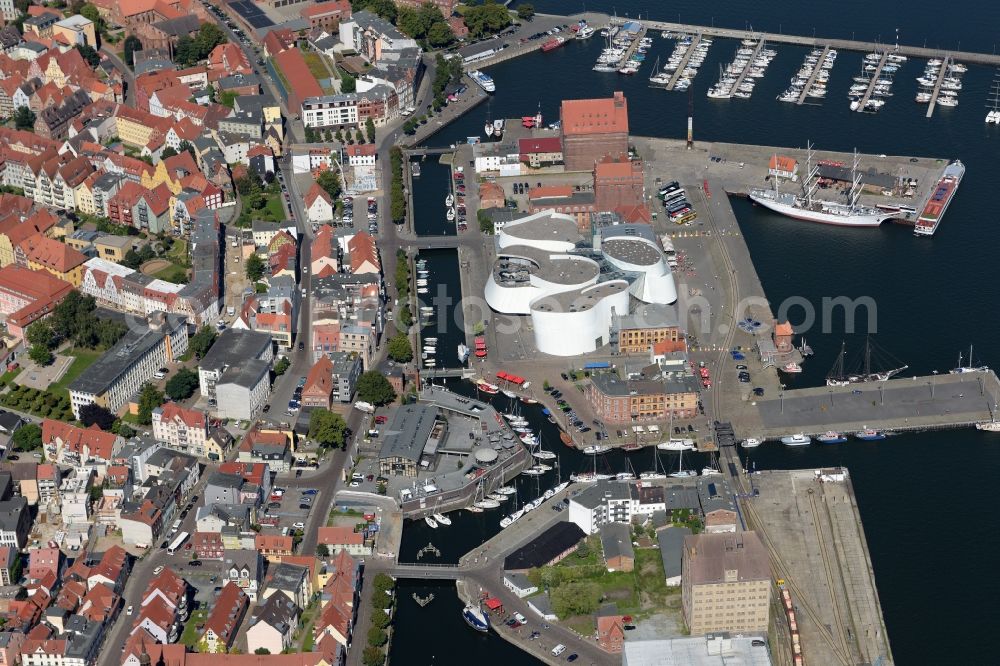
(676, 194)
(177, 542)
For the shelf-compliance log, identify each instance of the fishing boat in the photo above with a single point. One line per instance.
(442, 519)
(430, 522)
(751, 443)
(869, 435)
(831, 437)
(798, 439)
(476, 618)
(595, 449)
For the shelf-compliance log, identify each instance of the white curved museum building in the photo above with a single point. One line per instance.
(571, 290)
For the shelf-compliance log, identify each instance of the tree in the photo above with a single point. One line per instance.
(576, 598)
(131, 45)
(202, 341)
(95, 414)
(373, 387)
(255, 268)
(326, 428)
(28, 437)
(40, 354)
(525, 11)
(322, 550)
(41, 334)
(167, 152)
(132, 260)
(183, 384)
(373, 656)
(310, 135)
(440, 34)
(150, 398)
(89, 54)
(370, 129)
(24, 118)
(400, 349)
(348, 84)
(330, 182)
(487, 18)
(186, 145)
(383, 583)
(281, 366)
(89, 11)
(377, 637)
(262, 650)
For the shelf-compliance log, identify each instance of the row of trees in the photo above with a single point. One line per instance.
(343, 134)
(378, 636)
(397, 197)
(43, 404)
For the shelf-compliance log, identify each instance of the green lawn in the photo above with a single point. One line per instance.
(83, 359)
(190, 636)
(178, 251)
(275, 209)
(8, 377)
(173, 273)
(316, 67)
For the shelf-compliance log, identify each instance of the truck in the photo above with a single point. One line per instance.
(366, 407)
(602, 365)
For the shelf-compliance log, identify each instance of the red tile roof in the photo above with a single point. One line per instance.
(99, 443)
(549, 144)
(51, 254)
(339, 536)
(594, 116)
(192, 418)
(295, 70)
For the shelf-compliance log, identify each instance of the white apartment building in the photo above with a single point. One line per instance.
(330, 111)
(123, 369)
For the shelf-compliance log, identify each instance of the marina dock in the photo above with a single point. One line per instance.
(937, 85)
(750, 64)
(812, 77)
(872, 82)
(695, 41)
(992, 59)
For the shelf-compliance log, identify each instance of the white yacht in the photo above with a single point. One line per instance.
(442, 519)
(798, 439)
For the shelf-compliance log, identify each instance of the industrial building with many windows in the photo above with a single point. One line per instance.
(726, 583)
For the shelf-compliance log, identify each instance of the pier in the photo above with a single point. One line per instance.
(812, 78)
(937, 85)
(746, 68)
(991, 59)
(684, 62)
(872, 82)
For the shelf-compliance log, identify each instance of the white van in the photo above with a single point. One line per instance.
(558, 650)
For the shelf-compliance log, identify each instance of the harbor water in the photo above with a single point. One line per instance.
(443, 294)
(933, 296)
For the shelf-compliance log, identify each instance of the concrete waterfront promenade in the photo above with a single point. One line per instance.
(812, 530)
(910, 403)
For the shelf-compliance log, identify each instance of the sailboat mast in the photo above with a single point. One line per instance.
(852, 197)
(868, 357)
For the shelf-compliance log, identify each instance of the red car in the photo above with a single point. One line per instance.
(381, 419)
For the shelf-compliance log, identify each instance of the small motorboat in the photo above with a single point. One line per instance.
(476, 618)
(751, 443)
(869, 435)
(798, 439)
(831, 437)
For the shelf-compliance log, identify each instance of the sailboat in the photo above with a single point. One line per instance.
(656, 473)
(993, 115)
(962, 369)
(675, 444)
(839, 377)
(682, 473)
(847, 213)
(442, 519)
(541, 453)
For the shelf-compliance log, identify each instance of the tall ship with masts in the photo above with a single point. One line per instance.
(863, 370)
(808, 206)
